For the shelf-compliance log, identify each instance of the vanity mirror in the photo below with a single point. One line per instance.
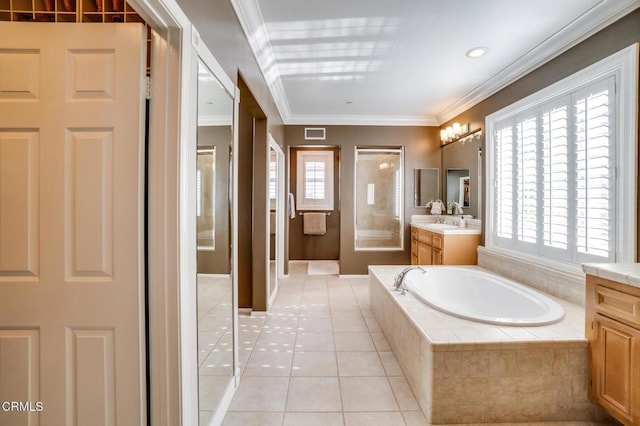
(461, 165)
(426, 186)
(458, 186)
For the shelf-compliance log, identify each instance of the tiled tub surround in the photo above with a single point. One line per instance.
(468, 372)
(546, 278)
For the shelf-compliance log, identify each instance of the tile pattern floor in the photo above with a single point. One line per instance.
(215, 341)
(320, 358)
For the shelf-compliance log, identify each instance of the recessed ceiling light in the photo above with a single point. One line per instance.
(476, 52)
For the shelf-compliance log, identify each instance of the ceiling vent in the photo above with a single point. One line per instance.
(315, 133)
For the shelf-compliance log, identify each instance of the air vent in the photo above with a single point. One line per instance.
(314, 133)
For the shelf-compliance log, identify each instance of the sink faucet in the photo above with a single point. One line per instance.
(398, 284)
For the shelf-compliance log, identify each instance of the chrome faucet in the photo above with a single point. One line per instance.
(398, 284)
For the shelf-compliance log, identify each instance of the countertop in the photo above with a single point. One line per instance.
(441, 228)
(625, 273)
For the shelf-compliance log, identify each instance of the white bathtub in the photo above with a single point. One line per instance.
(482, 296)
(477, 373)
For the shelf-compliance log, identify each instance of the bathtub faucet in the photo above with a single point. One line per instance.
(398, 284)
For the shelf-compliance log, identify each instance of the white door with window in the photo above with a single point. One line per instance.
(71, 224)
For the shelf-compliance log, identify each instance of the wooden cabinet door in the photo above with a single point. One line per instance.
(615, 372)
(436, 258)
(414, 247)
(424, 254)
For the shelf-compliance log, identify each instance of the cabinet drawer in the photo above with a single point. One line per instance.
(414, 233)
(424, 237)
(437, 241)
(617, 304)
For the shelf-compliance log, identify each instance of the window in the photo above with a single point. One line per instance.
(314, 180)
(563, 186)
(273, 178)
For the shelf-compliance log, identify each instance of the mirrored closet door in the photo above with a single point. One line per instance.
(213, 238)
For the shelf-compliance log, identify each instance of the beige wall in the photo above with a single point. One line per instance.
(421, 150)
(245, 177)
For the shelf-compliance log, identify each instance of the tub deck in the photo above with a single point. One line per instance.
(468, 372)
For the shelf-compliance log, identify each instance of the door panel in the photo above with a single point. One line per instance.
(71, 215)
(19, 194)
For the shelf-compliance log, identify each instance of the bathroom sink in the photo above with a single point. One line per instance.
(445, 228)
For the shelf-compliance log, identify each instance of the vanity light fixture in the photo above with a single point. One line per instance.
(453, 132)
(457, 132)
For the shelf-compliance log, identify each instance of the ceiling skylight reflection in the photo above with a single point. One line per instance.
(328, 67)
(330, 50)
(332, 28)
(303, 49)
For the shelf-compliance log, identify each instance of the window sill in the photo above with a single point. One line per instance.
(571, 271)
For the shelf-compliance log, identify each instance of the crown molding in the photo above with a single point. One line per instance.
(598, 17)
(214, 120)
(252, 23)
(360, 120)
(595, 19)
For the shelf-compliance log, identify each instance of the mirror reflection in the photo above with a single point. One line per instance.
(205, 197)
(273, 215)
(215, 295)
(458, 186)
(463, 160)
(426, 186)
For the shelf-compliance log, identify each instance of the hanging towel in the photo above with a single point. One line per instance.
(272, 223)
(292, 206)
(315, 223)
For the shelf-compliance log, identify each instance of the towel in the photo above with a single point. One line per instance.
(292, 206)
(272, 223)
(436, 207)
(315, 223)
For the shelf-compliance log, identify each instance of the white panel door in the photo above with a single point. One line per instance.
(71, 224)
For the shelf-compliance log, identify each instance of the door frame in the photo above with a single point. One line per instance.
(280, 220)
(172, 255)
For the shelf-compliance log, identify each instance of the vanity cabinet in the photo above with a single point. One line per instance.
(613, 330)
(432, 248)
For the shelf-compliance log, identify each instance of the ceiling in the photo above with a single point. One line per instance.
(402, 62)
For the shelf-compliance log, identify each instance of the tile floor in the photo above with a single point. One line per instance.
(215, 341)
(319, 358)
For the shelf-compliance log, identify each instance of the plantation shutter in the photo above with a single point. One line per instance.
(314, 172)
(555, 177)
(595, 171)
